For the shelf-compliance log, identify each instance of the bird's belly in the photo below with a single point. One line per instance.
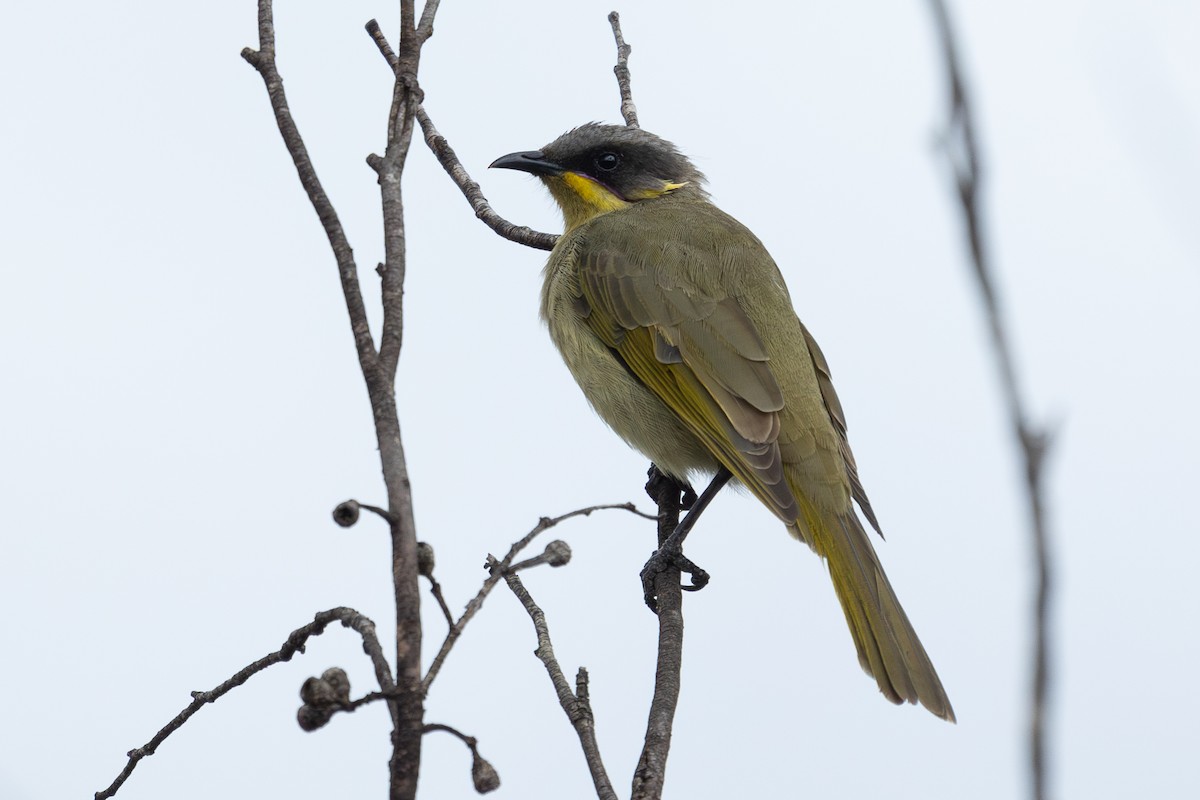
(623, 402)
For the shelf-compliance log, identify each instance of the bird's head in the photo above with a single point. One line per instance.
(595, 169)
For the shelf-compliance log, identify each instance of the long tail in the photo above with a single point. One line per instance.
(888, 647)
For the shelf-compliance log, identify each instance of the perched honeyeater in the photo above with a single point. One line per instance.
(678, 327)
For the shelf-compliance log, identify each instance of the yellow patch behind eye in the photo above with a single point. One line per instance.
(667, 188)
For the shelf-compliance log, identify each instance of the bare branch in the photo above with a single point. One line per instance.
(381, 42)
(544, 524)
(651, 770)
(576, 706)
(483, 209)
(293, 644)
(406, 93)
(378, 368)
(425, 26)
(435, 589)
(263, 60)
(621, 70)
(962, 152)
(395, 240)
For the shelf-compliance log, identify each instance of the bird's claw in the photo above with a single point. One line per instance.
(688, 497)
(670, 558)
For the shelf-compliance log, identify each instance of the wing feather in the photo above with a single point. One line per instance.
(702, 356)
(834, 406)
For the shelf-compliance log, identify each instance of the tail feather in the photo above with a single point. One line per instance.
(888, 647)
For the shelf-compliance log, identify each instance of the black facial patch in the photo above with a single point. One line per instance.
(627, 160)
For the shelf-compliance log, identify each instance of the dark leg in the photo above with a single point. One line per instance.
(670, 549)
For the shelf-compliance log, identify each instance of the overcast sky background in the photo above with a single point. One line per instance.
(182, 406)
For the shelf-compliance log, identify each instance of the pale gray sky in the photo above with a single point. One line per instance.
(182, 405)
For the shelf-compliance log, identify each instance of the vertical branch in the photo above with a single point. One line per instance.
(406, 746)
(378, 368)
(263, 61)
(621, 70)
(1033, 442)
(651, 770)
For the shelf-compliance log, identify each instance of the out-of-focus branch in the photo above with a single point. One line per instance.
(1033, 442)
(574, 703)
(293, 644)
(621, 70)
(494, 576)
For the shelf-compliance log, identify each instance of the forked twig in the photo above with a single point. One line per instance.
(494, 576)
(378, 366)
(293, 644)
(575, 704)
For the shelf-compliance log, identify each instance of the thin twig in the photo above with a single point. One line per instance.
(576, 707)
(1033, 442)
(621, 70)
(426, 562)
(351, 706)
(469, 741)
(293, 644)
(435, 589)
(650, 775)
(483, 774)
(462, 179)
(544, 524)
(263, 60)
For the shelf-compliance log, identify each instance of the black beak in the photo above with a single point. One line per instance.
(532, 161)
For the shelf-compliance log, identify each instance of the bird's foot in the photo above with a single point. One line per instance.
(687, 497)
(670, 557)
(661, 486)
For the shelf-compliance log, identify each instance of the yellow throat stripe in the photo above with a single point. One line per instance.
(593, 195)
(585, 198)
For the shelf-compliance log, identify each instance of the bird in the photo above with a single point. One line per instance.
(678, 327)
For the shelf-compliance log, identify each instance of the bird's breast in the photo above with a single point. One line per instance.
(617, 396)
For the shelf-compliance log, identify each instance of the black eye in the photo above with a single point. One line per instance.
(607, 162)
